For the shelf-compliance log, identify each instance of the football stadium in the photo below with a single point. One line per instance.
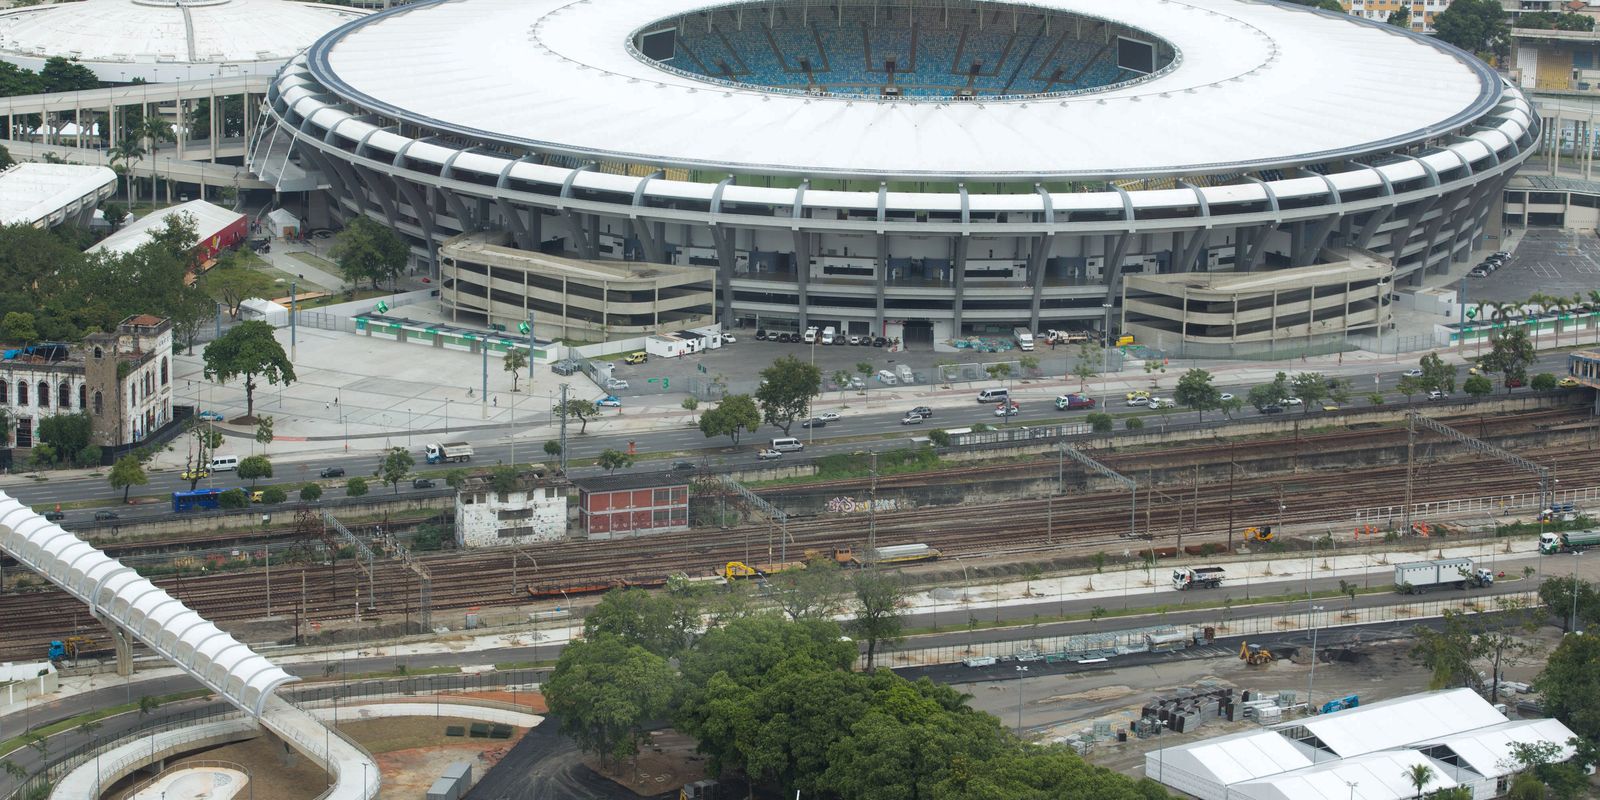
(1213, 176)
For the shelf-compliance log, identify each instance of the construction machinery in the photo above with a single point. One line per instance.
(1255, 654)
(1185, 578)
(735, 570)
(891, 554)
(71, 647)
(1259, 533)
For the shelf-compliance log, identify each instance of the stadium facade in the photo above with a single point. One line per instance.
(925, 168)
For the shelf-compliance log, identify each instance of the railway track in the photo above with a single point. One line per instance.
(1066, 524)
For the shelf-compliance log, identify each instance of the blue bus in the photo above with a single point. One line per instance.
(200, 498)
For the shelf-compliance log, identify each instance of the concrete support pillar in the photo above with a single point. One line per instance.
(802, 273)
(958, 262)
(882, 283)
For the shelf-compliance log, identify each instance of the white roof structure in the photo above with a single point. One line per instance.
(44, 195)
(167, 41)
(209, 220)
(1456, 732)
(1256, 85)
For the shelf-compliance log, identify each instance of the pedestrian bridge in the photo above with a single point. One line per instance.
(133, 606)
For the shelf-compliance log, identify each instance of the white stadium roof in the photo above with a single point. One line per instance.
(1371, 746)
(161, 41)
(43, 194)
(1258, 85)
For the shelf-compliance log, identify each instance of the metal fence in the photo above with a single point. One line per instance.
(1125, 641)
(1490, 504)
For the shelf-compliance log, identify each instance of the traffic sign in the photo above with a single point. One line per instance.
(1472, 313)
(522, 327)
(383, 308)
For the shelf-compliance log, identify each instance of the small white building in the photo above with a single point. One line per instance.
(24, 679)
(533, 509)
(283, 224)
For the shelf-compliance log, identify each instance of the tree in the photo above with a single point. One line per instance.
(1196, 392)
(1000, 371)
(1400, 17)
(206, 440)
(250, 349)
(1477, 386)
(273, 495)
(690, 404)
(126, 474)
(1447, 652)
(365, 250)
(264, 432)
(786, 391)
(939, 437)
(1133, 424)
(5, 418)
(879, 597)
(152, 131)
(612, 460)
(1437, 375)
(1269, 394)
(231, 283)
(1510, 353)
(732, 417)
(67, 434)
(1543, 761)
(816, 592)
(1100, 421)
(18, 327)
(1419, 776)
(662, 623)
(1029, 364)
(457, 478)
(1089, 355)
(254, 468)
(1375, 398)
(6, 161)
(1571, 685)
(1311, 388)
(1476, 26)
(148, 705)
(1555, 594)
(1409, 386)
(552, 448)
(514, 360)
(311, 493)
(582, 409)
(234, 499)
(841, 378)
(114, 214)
(397, 464)
(126, 152)
(13, 769)
(605, 691)
(1544, 382)
(355, 487)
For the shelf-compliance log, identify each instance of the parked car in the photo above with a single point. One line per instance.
(54, 516)
(728, 338)
(927, 413)
(768, 454)
(912, 418)
(879, 341)
(638, 357)
(1478, 272)
(610, 401)
(829, 416)
(814, 422)
(101, 516)
(857, 383)
(1139, 400)
(331, 472)
(1411, 373)
(210, 416)
(421, 483)
(682, 466)
(616, 384)
(1513, 383)
(887, 378)
(761, 334)
(1502, 254)
(854, 339)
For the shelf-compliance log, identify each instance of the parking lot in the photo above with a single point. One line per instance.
(1554, 262)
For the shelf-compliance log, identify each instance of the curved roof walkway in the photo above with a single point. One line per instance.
(119, 596)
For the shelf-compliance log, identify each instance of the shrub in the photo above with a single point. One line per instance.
(311, 493)
(940, 437)
(1133, 423)
(1100, 422)
(273, 494)
(234, 498)
(356, 487)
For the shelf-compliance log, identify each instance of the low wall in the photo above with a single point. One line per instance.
(248, 518)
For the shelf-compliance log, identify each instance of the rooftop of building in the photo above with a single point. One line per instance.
(209, 220)
(1355, 266)
(494, 245)
(640, 480)
(30, 193)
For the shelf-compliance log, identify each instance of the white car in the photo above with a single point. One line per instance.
(829, 416)
(768, 454)
(616, 384)
(728, 338)
(1411, 373)
(1160, 402)
(887, 378)
(1293, 401)
(857, 383)
(1138, 400)
(1224, 397)
(911, 418)
(1437, 395)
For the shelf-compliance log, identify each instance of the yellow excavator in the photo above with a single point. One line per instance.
(1255, 654)
(1259, 533)
(736, 570)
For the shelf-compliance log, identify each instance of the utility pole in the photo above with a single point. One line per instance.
(872, 516)
(563, 408)
(1230, 496)
(294, 297)
(1411, 452)
(483, 400)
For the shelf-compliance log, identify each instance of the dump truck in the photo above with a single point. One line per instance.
(448, 451)
(1420, 576)
(1568, 542)
(1185, 578)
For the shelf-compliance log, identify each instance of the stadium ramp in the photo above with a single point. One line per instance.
(119, 597)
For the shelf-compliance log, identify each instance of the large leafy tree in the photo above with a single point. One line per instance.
(368, 251)
(663, 623)
(1476, 26)
(816, 592)
(605, 691)
(1510, 354)
(911, 741)
(1571, 685)
(397, 464)
(1269, 394)
(732, 417)
(879, 599)
(255, 468)
(584, 410)
(250, 349)
(1555, 594)
(231, 283)
(1311, 388)
(1437, 375)
(786, 391)
(1196, 392)
(127, 473)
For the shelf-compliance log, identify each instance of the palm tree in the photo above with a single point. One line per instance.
(1420, 775)
(126, 151)
(153, 130)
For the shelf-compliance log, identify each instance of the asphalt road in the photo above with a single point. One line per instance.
(874, 421)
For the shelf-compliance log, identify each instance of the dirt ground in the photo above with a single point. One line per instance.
(274, 774)
(412, 752)
(666, 763)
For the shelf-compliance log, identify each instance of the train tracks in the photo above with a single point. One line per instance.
(1064, 525)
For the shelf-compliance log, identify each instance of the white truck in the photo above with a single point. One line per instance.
(448, 451)
(1024, 338)
(1419, 576)
(1185, 578)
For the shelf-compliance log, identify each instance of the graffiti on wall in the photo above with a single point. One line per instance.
(850, 505)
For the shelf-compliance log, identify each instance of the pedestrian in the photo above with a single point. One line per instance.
(336, 400)
(469, 391)
(326, 406)
(495, 401)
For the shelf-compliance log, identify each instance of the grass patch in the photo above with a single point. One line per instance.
(18, 742)
(403, 672)
(314, 260)
(1582, 522)
(339, 297)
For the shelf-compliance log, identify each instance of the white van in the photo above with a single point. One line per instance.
(980, 661)
(224, 463)
(994, 395)
(809, 336)
(828, 335)
(788, 444)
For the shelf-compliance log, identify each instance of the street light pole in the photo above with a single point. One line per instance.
(1021, 671)
(1312, 682)
(1574, 626)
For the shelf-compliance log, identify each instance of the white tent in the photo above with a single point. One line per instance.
(283, 224)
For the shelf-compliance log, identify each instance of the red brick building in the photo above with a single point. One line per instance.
(629, 505)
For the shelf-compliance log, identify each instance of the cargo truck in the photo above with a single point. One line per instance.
(1185, 578)
(1024, 338)
(1569, 542)
(1420, 576)
(449, 451)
